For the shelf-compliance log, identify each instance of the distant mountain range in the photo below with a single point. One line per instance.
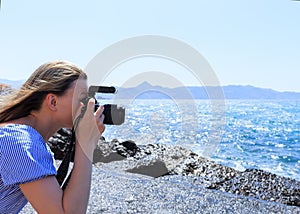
(12, 83)
(148, 91)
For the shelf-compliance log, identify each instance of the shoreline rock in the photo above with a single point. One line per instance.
(162, 161)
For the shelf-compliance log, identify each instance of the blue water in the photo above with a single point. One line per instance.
(242, 134)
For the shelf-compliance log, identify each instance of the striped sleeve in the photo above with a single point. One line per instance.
(24, 155)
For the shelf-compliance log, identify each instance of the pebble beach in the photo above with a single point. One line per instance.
(114, 191)
(166, 179)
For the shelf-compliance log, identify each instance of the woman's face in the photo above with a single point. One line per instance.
(70, 102)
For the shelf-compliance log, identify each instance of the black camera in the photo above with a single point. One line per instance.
(114, 114)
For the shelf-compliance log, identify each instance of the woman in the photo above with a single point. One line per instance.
(49, 100)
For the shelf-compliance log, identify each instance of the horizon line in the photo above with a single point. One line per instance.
(188, 85)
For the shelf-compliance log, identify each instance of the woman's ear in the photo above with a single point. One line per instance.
(51, 100)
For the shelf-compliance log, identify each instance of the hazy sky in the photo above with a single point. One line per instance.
(249, 42)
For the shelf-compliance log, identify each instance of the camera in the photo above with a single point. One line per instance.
(114, 114)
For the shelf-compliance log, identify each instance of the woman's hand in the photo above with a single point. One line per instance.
(99, 114)
(90, 127)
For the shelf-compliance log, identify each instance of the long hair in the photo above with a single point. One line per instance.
(53, 77)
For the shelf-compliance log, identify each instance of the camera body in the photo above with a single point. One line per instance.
(114, 114)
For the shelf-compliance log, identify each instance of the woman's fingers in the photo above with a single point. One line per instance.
(100, 118)
(91, 118)
(90, 106)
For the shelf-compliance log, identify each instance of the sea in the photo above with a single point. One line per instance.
(242, 134)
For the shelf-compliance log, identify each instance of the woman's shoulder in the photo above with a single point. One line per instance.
(18, 134)
(15, 127)
(24, 156)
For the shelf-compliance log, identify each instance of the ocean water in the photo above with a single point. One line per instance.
(261, 134)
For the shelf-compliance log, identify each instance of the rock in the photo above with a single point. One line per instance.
(105, 152)
(208, 172)
(59, 143)
(263, 185)
(127, 148)
(170, 155)
(156, 168)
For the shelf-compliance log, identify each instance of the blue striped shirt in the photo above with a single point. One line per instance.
(24, 157)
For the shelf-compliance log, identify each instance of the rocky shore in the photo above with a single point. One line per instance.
(156, 178)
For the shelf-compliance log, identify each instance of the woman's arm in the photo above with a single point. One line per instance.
(46, 196)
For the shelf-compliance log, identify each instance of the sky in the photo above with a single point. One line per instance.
(249, 42)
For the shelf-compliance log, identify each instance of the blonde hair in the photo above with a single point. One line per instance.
(53, 77)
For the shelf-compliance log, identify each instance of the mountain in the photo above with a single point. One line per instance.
(12, 83)
(147, 91)
(251, 92)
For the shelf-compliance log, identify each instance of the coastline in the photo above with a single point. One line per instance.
(156, 178)
(116, 191)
